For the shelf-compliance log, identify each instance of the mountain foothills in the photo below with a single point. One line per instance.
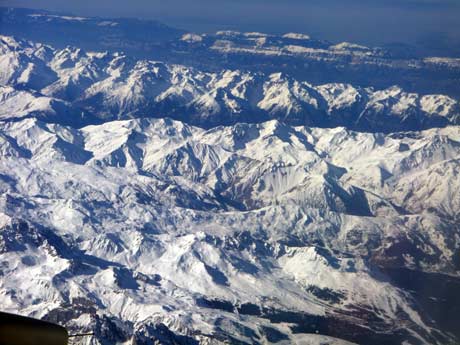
(164, 202)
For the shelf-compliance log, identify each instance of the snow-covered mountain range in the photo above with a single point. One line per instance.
(155, 201)
(252, 233)
(307, 58)
(91, 87)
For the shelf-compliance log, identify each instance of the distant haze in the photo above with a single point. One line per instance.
(433, 24)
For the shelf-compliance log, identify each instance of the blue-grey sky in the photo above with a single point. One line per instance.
(435, 22)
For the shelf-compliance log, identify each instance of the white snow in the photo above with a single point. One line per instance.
(142, 217)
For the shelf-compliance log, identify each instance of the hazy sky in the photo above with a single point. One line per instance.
(435, 22)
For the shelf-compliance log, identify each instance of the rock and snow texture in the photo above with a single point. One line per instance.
(255, 233)
(290, 215)
(307, 58)
(92, 87)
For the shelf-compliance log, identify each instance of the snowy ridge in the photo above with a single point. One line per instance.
(103, 87)
(308, 59)
(155, 228)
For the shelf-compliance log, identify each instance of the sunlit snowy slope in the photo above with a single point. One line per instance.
(249, 232)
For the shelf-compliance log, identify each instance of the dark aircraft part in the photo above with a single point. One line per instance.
(19, 330)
